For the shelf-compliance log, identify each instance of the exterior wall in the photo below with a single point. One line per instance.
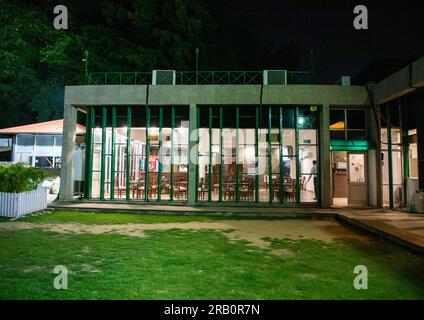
(403, 90)
(193, 95)
(215, 95)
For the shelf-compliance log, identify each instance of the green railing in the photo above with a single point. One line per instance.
(192, 77)
(219, 77)
(100, 78)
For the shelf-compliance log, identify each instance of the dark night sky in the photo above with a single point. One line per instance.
(394, 38)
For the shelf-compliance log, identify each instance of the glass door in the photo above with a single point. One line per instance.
(357, 179)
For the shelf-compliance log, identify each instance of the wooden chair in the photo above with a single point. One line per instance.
(203, 191)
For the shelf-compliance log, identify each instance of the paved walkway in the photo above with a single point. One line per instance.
(185, 209)
(402, 228)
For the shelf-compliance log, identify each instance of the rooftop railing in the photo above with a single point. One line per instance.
(191, 77)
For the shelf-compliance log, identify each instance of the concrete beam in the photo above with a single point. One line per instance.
(216, 95)
(105, 95)
(400, 83)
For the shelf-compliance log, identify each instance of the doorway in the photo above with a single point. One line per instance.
(349, 178)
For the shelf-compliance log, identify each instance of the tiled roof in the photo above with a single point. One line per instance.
(52, 127)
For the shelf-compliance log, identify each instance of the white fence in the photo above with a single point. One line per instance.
(18, 204)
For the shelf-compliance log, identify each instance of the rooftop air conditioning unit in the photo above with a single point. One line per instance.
(275, 77)
(344, 81)
(164, 77)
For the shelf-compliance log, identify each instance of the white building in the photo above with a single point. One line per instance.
(40, 145)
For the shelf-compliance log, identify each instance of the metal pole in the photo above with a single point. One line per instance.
(113, 155)
(88, 157)
(171, 197)
(197, 65)
(102, 173)
(237, 155)
(297, 155)
(271, 191)
(128, 160)
(160, 154)
(405, 149)
(281, 156)
(390, 156)
(85, 60)
(220, 153)
(146, 162)
(210, 185)
(257, 155)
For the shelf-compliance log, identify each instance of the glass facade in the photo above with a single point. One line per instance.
(137, 153)
(266, 154)
(391, 156)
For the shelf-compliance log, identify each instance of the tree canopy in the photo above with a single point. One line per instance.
(37, 60)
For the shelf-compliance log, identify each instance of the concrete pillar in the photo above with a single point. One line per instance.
(374, 159)
(68, 149)
(325, 163)
(193, 159)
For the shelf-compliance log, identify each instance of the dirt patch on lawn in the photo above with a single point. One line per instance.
(252, 231)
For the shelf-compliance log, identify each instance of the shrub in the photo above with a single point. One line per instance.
(19, 177)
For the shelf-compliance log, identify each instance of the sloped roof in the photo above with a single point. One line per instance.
(52, 127)
(338, 125)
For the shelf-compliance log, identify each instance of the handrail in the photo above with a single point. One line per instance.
(189, 77)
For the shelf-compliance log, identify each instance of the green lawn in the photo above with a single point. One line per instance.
(190, 264)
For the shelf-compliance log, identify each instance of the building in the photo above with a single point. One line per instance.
(234, 138)
(40, 145)
(400, 99)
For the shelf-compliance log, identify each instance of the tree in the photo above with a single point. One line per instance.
(37, 61)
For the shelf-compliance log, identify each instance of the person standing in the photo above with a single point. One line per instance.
(314, 173)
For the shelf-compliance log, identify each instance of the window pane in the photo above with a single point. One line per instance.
(25, 143)
(289, 142)
(356, 168)
(203, 141)
(356, 119)
(308, 136)
(337, 119)
(337, 134)
(413, 160)
(307, 155)
(356, 134)
(309, 188)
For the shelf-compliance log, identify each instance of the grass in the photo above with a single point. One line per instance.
(189, 264)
